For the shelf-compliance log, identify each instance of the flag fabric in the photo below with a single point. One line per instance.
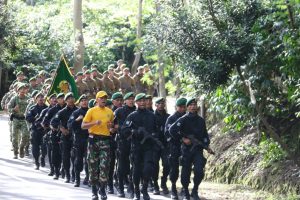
(63, 80)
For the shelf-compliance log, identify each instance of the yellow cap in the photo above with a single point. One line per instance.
(101, 94)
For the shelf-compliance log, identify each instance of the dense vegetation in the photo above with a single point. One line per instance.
(244, 56)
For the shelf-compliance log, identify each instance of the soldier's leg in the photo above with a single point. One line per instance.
(35, 148)
(136, 171)
(78, 162)
(174, 168)
(111, 167)
(49, 153)
(156, 158)
(166, 170)
(66, 157)
(86, 165)
(56, 154)
(93, 163)
(148, 168)
(186, 172)
(199, 164)
(25, 137)
(15, 137)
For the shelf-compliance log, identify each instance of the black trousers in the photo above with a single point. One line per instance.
(66, 153)
(80, 152)
(37, 145)
(189, 159)
(175, 152)
(123, 162)
(56, 151)
(162, 154)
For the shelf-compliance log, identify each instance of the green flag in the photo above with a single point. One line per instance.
(63, 80)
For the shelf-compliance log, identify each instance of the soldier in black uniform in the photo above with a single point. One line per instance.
(174, 145)
(191, 124)
(37, 132)
(161, 116)
(124, 144)
(149, 103)
(140, 124)
(55, 135)
(59, 123)
(80, 137)
(117, 100)
(46, 138)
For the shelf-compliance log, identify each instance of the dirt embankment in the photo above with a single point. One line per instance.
(235, 163)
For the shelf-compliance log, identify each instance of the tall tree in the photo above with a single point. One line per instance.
(79, 41)
(138, 53)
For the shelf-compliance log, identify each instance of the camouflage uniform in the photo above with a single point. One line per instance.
(109, 86)
(116, 83)
(126, 84)
(92, 87)
(19, 127)
(81, 87)
(140, 86)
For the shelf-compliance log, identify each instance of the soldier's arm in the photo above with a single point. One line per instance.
(55, 121)
(11, 105)
(127, 127)
(176, 128)
(30, 115)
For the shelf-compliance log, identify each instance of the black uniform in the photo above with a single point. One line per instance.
(46, 139)
(174, 148)
(191, 124)
(123, 146)
(161, 118)
(54, 138)
(61, 120)
(80, 141)
(37, 134)
(142, 154)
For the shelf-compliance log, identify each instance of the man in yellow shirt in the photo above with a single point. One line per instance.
(99, 122)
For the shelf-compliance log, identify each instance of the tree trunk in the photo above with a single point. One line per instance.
(1, 89)
(79, 41)
(161, 77)
(138, 53)
(176, 78)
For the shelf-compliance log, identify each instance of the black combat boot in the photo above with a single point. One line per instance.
(37, 165)
(16, 154)
(195, 195)
(110, 187)
(94, 192)
(121, 193)
(163, 185)
(56, 176)
(68, 177)
(186, 194)
(156, 188)
(63, 174)
(150, 186)
(77, 180)
(145, 191)
(43, 162)
(174, 195)
(102, 192)
(85, 181)
(136, 193)
(130, 190)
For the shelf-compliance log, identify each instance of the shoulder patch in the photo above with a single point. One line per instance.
(178, 124)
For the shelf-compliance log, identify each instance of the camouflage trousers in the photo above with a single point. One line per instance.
(20, 135)
(98, 160)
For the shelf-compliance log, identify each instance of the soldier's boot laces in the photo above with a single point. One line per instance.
(43, 162)
(174, 195)
(156, 188)
(163, 185)
(195, 195)
(186, 194)
(94, 192)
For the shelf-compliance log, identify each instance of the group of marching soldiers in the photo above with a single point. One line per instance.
(118, 142)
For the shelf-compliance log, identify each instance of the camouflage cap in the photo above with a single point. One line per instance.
(20, 86)
(128, 95)
(117, 95)
(19, 73)
(140, 96)
(33, 93)
(32, 79)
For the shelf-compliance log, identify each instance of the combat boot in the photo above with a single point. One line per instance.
(156, 188)
(186, 194)
(145, 192)
(85, 181)
(174, 195)
(95, 192)
(150, 186)
(163, 185)
(43, 162)
(51, 173)
(102, 192)
(195, 195)
(15, 154)
(68, 177)
(62, 172)
(27, 151)
(77, 180)
(110, 188)
(21, 152)
(37, 166)
(130, 190)
(136, 193)
(56, 176)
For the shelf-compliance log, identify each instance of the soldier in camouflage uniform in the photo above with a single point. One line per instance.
(16, 107)
(109, 86)
(111, 76)
(140, 86)
(99, 121)
(151, 82)
(90, 83)
(32, 85)
(126, 82)
(82, 87)
(97, 79)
